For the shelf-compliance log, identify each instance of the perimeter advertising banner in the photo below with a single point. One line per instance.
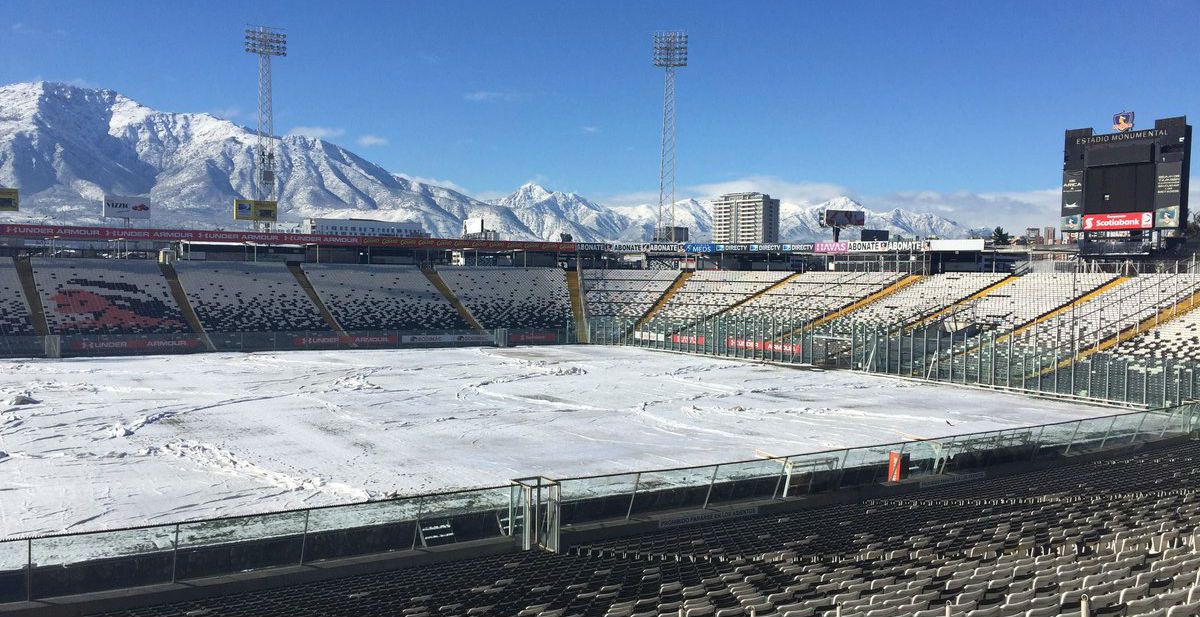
(10, 200)
(123, 207)
(1118, 222)
(206, 235)
(260, 211)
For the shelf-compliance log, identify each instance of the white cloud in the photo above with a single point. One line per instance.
(319, 132)
(492, 95)
(590, 129)
(450, 184)
(368, 141)
(227, 113)
(1013, 210)
(799, 193)
(21, 28)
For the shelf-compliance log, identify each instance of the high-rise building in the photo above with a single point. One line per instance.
(1049, 234)
(740, 218)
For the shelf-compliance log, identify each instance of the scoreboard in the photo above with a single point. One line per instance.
(1127, 184)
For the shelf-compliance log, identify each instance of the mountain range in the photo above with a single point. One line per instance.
(66, 146)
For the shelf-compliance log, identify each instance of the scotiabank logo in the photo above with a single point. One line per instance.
(1118, 222)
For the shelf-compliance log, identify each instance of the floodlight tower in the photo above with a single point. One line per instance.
(670, 53)
(265, 42)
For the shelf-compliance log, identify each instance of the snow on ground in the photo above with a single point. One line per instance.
(124, 441)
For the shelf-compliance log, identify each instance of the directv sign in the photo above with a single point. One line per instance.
(10, 200)
(121, 207)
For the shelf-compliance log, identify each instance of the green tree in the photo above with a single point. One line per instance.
(1001, 237)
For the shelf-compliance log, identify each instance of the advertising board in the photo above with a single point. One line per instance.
(256, 210)
(1118, 222)
(124, 207)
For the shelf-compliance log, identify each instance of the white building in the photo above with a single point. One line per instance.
(364, 228)
(741, 218)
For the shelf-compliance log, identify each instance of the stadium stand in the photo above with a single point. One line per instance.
(624, 293)
(383, 298)
(924, 298)
(1178, 338)
(512, 297)
(1124, 306)
(709, 292)
(15, 318)
(90, 296)
(1029, 297)
(248, 297)
(814, 294)
(1121, 528)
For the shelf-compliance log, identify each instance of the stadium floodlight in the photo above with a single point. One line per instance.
(670, 53)
(265, 42)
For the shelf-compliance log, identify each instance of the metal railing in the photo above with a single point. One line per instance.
(529, 512)
(602, 497)
(70, 563)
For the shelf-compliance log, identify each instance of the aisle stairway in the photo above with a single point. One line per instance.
(306, 284)
(29, 287)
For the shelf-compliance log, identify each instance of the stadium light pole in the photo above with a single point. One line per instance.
(265, 42)
(670, 53)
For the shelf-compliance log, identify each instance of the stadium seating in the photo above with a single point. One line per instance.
(626, 294)
(815, 294)
(15, 318)
(1178, 338)
(512, 297)
(1125, 306)
(1029, 297)
(711, 291)
(1122, 529)
(248, 297)
(924, 298)
(112, 296)
(383, 298)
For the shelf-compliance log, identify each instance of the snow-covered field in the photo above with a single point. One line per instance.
(123, 441)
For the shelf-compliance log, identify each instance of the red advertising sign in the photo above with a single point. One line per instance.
(687, 338)
(1118, 222)
(206, 235)
(333, 339)
(741, 343)
(894, 464)
(121, 344)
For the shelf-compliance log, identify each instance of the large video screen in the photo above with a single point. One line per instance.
(1119, 188)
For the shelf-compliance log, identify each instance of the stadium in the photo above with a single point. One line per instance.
(644, 419)
(436, 439)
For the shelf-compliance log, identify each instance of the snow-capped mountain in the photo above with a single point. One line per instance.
(799, 223)
(66, 146)
(549, 214)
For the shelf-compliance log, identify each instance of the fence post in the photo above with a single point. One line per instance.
(637, 479)
(304, 536)
(29, 570)
(175, 555)
(1108, 431)
(711, 481)
(1071, 441)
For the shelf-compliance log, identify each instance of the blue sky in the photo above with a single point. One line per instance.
(951, 107)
